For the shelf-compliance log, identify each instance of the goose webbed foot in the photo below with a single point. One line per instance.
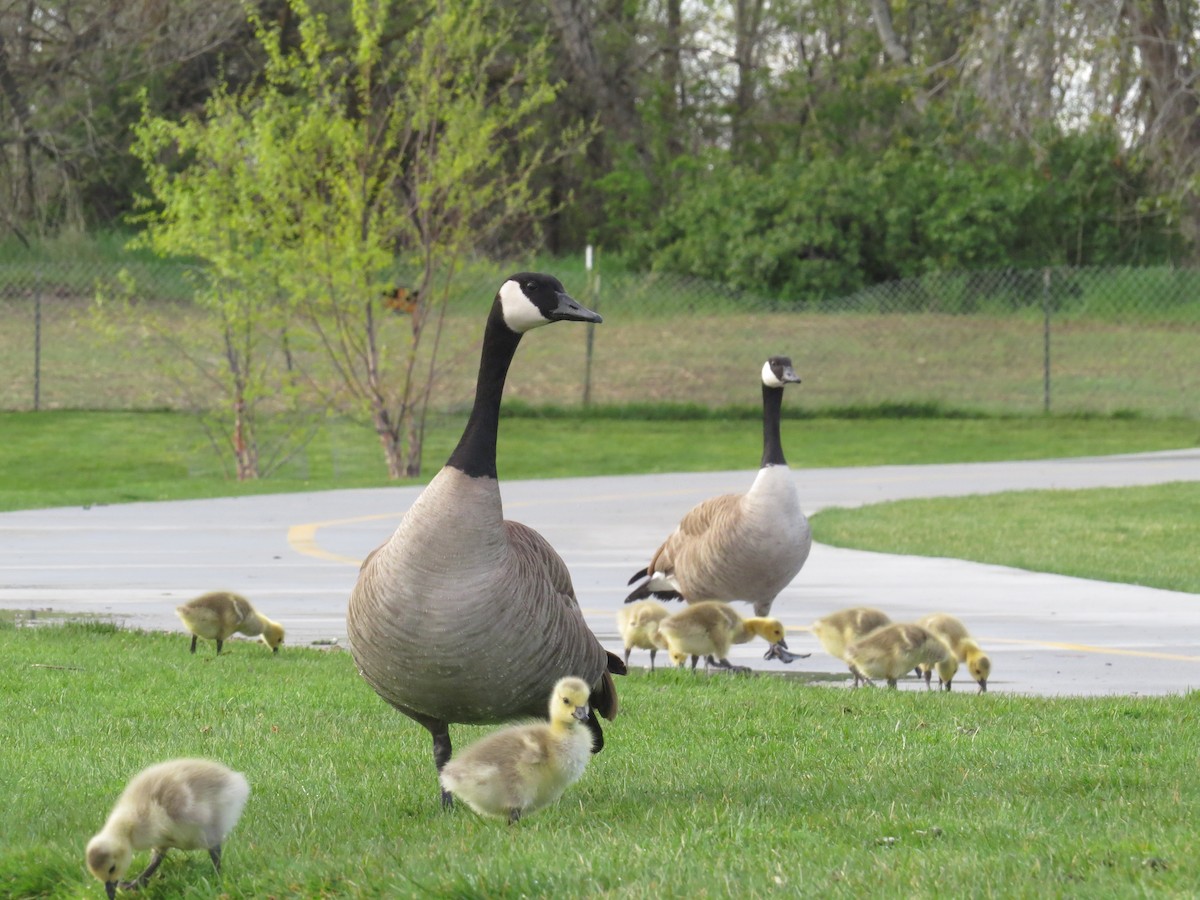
(725, 666)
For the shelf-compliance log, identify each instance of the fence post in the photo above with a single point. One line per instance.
(37, 339)
(1046, 339)
(593, 302)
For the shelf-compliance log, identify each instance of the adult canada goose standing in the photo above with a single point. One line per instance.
(739, 546)
(189, 804)
(462, 616)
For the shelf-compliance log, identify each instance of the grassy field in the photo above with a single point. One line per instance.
(661, 341)
(1144, 535)
(708, 787)
(79, 458)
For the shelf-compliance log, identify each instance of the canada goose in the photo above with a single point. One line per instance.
(638, 624)
(893, 650)
(738, 546)
(839, 630)
(189, 804)
(954, 632)
(521, 768)
(461, 615)
(218, 614)
(709, 629)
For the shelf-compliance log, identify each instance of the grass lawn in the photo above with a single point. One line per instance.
(708, 787)
(1144, 535)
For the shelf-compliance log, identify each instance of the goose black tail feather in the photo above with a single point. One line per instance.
(640, 573)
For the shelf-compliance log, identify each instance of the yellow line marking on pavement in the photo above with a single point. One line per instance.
(1111, 651)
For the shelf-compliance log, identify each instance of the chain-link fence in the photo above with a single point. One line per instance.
(1010, 341)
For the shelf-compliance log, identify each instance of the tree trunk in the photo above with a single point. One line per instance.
(1173, 120)
(610, 91)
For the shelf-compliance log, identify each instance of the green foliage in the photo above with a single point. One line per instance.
(815, 225)
(698, 791)
(384, 158)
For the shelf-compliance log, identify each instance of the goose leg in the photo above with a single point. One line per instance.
(214, 853)
(891, 683)
(627, 649)
(156, 858)
(220, 644)
(593, 725)
(193, 643)
(514, 815)
(652, 652)
(441, 754)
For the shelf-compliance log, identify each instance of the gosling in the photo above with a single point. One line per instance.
(188, 804)
(951, 630)
(893, 650)
(638, 624)
(218, 614)
(522, 768)
(839, 630)
(709, 629)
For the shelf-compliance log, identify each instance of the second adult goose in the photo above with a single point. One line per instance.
(462, 616)
(738, 546)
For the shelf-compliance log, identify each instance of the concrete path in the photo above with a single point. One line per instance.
(296, 557)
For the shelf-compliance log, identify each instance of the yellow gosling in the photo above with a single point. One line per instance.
(709, 629)
(893, 650)
(951, 630)
(522, 768)
(217, 615)
(188, 804)
(839, 630)
(638, 624)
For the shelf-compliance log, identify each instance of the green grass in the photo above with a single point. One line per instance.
(708, 787)
(1145, 535)
(80, 458)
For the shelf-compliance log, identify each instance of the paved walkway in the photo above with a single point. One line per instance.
(296, 557)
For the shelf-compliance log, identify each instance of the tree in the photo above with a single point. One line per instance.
(70, 75)
(393, 159)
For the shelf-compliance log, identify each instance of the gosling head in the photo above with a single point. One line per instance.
(272, 636)
(569, 702)
(770, 630)
(678, 658)
(108, 859)
(777, 371)
(946, 669)
(528, 300)
(980, 667)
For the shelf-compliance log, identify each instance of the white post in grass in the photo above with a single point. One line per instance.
(593, 302)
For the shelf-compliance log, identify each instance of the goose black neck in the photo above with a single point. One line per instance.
(772, 454)
(475, 454)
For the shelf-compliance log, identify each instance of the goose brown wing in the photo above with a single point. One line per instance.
(537, 559)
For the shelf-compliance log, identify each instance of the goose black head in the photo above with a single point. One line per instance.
(529, 299)
(777, 371)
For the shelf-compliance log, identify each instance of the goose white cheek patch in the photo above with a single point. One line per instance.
(768, 376)
(519, 312)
